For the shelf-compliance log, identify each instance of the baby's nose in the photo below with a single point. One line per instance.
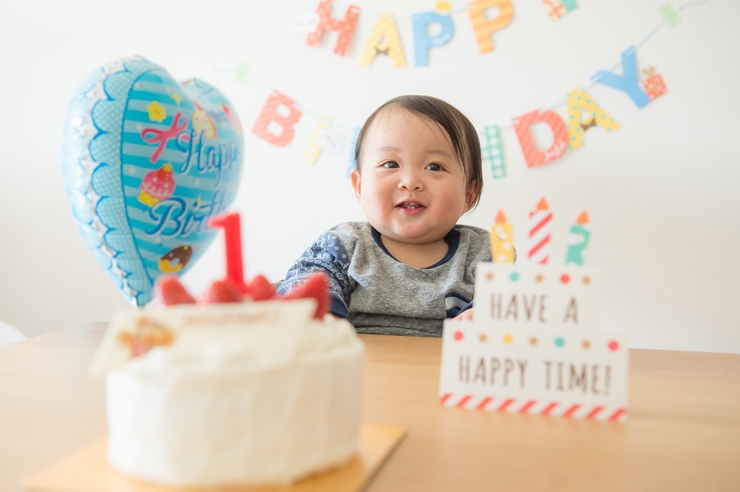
(410, 180)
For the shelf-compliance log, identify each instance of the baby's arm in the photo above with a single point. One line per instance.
(466, 315)
(327, 255)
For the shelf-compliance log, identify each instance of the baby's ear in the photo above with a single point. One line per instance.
(472, 192)
(355, 177)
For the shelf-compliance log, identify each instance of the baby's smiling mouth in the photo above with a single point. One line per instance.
(410, 205)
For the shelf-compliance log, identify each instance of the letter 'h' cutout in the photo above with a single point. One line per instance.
(345, 28)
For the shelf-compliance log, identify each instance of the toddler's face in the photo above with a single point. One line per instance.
(411, 185)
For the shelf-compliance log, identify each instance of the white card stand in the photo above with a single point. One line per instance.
(534, 347)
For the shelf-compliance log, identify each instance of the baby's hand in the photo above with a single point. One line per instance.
(465, 315)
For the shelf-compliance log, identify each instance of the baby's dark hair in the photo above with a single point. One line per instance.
(459, 130)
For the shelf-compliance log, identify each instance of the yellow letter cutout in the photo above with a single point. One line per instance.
(383, 39)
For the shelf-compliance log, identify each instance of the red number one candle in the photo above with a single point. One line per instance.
(230, 223)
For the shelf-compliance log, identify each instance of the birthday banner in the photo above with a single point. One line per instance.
(485, 18)
(280, 113)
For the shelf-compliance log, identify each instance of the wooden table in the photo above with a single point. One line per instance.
(683, 432)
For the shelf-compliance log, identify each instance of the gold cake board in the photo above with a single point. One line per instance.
(88, 470)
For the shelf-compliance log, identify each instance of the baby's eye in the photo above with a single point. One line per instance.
(435, 167)
(390, 164)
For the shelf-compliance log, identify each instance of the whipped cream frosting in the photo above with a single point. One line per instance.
(224, 408)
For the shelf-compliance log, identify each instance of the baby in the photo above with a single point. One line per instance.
(409, 266)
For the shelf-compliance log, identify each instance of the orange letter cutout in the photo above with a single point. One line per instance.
(346, 27)
(270, 114)
(533, 156)
(484, 27)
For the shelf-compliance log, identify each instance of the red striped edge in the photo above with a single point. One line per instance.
(527, 406)
(505, 404)
(463, 401)
(617, 414)
(485, 402)
(592, 414)
(444, 398)
(549, 408)
(534, 250)
(540, 224)
(571, 410)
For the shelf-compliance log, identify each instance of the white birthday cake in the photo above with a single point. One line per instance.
(236, 394)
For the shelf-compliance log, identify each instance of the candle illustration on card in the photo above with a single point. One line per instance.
(577, 240)
(539, 229)
(502, 248)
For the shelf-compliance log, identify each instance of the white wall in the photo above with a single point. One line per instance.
(661, 191)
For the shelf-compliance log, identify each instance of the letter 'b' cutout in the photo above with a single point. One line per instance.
(532, 155)
(269, 114)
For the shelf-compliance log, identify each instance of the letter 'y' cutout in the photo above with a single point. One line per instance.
(629, 80)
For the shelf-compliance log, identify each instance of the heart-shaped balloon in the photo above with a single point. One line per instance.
(146, 162)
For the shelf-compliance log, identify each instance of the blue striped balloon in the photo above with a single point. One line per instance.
(147, 161)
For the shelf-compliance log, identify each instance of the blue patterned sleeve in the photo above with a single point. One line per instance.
(328, 255)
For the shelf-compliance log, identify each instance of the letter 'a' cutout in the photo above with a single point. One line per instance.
(532, 155)
(423, 41)
(269, 114)
(578, 102)
(485, 27)
(345, 28)
(383, 39)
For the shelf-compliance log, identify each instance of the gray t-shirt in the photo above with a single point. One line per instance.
(381, 295)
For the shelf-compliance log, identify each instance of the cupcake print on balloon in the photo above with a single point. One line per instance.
(147, 161)
(157, 185)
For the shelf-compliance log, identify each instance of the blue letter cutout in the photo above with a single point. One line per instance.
(423, 41)
(628, 82)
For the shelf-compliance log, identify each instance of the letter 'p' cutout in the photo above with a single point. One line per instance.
(423, 40)
(270, 118)
(345, 28)
(483, 26)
